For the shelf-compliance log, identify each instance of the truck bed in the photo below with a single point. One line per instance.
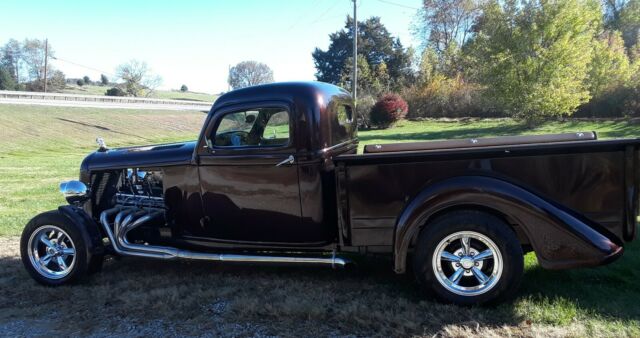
(596, 178)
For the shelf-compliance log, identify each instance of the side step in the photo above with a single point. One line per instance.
(129, 218)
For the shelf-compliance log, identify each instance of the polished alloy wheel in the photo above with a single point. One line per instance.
(51, 252)
(467, 263)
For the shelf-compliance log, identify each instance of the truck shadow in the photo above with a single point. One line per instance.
(368, 300)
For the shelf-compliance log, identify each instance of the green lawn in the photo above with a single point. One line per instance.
(158, 94)
(40, 146)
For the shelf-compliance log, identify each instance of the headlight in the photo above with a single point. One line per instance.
(74, 191)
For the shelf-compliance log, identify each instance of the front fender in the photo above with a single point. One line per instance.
(89, 228)
(560, 237)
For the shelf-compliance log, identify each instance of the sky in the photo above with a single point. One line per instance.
(193, 42)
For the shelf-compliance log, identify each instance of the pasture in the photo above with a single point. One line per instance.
(40, 146)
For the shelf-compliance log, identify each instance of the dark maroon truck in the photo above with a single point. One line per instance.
(274, 178)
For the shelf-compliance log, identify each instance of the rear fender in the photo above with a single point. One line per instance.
(560, 237)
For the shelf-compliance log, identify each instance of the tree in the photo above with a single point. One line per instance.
(184, 88)
(445, 24)
(86, 80)
(6, 80)
(533, 56)
(138, 78)
(610, 67)
(56, 80)
(249, 73)
(80, 82)
(624, 16)
(10, 58)
(33, 55)
(375, 44)
(104, 80)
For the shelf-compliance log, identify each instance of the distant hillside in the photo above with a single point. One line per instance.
(159, 94)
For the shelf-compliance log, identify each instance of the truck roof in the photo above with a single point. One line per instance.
(314, 106)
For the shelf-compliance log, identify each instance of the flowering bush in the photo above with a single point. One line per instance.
(389, 109)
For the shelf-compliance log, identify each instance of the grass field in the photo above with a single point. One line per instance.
(158, 94)
(39, 146)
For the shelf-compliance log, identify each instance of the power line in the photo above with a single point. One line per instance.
(325, 12)
(398, 5)
(83, 66)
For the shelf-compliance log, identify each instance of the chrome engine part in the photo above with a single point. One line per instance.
(119, 221)
(140, 188)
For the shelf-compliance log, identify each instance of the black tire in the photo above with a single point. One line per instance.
(81, 264)
(486, 224)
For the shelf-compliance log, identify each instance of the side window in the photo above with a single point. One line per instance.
(263, 127)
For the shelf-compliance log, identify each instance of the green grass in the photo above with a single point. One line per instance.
(158, 94)
(40, 146)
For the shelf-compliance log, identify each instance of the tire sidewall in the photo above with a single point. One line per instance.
(489, 225)
(79, 269)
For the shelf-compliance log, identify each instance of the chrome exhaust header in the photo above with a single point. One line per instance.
(129, 218)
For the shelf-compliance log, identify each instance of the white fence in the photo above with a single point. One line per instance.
(5, 94)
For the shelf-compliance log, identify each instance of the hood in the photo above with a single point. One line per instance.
(160, 155)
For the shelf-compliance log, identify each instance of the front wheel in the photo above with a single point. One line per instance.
(468, 258)
(53, 250)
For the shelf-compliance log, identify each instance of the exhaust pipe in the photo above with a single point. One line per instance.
(128, 219)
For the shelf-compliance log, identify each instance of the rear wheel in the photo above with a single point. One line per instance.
(53, 250)
(468, 257)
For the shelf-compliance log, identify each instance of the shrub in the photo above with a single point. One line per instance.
(447, 97)
(115, 91)
(389, 109)
(80, 82)
(184, 88)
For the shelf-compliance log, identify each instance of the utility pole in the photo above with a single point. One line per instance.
(46, 57)
(355, 54)
(228, 83)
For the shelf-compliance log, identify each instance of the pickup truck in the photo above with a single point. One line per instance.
(275, 178)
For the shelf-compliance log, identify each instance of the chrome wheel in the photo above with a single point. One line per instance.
(467, 263)
(51, 252)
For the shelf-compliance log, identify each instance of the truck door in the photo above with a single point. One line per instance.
(249, 177)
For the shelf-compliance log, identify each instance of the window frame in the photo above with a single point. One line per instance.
(219, 116)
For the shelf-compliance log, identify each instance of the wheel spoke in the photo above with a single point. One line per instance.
(46, 259)
(61, 238)
(483, 255)
(480, 276)
(447, 256)
(68, 251)
(44, 239)
(465, 245)
(61, 263)
(455, 278)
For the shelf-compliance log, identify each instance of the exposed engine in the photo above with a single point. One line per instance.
(141, 188)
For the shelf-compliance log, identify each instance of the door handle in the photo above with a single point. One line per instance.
(288, 160)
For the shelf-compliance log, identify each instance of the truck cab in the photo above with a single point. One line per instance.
(264, 161)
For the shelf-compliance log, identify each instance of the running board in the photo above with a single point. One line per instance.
(127, 219)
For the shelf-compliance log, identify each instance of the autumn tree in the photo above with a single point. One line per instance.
(533, 56)
(249, 73)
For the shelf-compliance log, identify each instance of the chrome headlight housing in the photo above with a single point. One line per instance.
(74, 191)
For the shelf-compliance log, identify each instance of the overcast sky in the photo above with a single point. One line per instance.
(193, 42)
